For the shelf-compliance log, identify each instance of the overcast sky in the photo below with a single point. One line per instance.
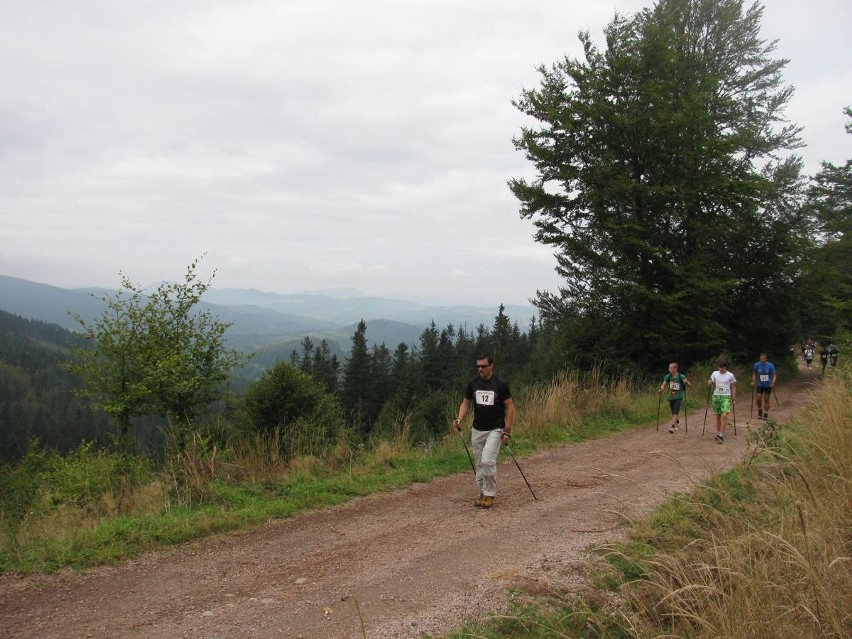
(310, 144)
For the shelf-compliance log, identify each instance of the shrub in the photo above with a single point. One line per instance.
(308, 417)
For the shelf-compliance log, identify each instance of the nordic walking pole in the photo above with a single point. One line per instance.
(659, 401)
(777, 403)
(685, 413)
(461, 437)
(509, 448)
(734, 409)
(706, 406)
(751, 406)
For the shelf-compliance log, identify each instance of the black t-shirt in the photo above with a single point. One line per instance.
(488, 397)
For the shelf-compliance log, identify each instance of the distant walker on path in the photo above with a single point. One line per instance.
(832, 355)
(763, 378)
(676, 382)
(724, 397)
(810, 351)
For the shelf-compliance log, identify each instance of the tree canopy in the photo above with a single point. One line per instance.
(306, 416)
(827, 282)
(155, 354)
(666, 185)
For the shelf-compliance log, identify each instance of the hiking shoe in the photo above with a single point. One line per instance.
(478, 501)
(765, 416)
(720, 438)
(671, 429)
(487, 502)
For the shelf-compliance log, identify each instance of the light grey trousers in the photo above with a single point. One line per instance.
(486, 445)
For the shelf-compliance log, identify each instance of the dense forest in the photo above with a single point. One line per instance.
(38, 396)
(371, 390)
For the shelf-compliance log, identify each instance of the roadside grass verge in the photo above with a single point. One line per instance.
(74, 536)
(93, 507)
(761, 551)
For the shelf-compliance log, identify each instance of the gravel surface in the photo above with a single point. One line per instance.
(399, 564)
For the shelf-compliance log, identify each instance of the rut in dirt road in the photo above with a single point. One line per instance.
(398, 564)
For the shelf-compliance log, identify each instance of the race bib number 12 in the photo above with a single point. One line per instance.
(485, 398)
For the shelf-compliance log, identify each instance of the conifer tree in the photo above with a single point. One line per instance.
(380, 381)
(307, 352)
(356, 381)
(430, 357)
(325, 366)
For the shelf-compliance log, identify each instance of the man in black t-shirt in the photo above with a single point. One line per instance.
(493, 414)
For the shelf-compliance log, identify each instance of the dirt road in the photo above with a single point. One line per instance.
(400, 564)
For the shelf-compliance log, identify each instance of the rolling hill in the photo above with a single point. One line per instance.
(264, 320)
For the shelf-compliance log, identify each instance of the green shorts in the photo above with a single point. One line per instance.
(722, 404)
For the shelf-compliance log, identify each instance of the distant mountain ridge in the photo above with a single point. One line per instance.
(261, 319)
(346, 310)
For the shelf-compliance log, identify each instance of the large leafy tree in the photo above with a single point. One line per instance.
(155, 354)
(663, 186)
(188, 347)
(114, 366)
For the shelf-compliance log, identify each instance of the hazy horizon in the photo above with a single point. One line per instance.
(341, 293)
(308, 146)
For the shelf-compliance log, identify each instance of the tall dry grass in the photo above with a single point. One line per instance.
(777, 566)
(200, 458)
(572, 397)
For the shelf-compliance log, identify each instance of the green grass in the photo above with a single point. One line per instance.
(45, 525)
(227, 507)
(546, 617)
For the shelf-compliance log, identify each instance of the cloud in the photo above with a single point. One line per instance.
(307, 145)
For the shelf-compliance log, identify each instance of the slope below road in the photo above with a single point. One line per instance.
(397, 564)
